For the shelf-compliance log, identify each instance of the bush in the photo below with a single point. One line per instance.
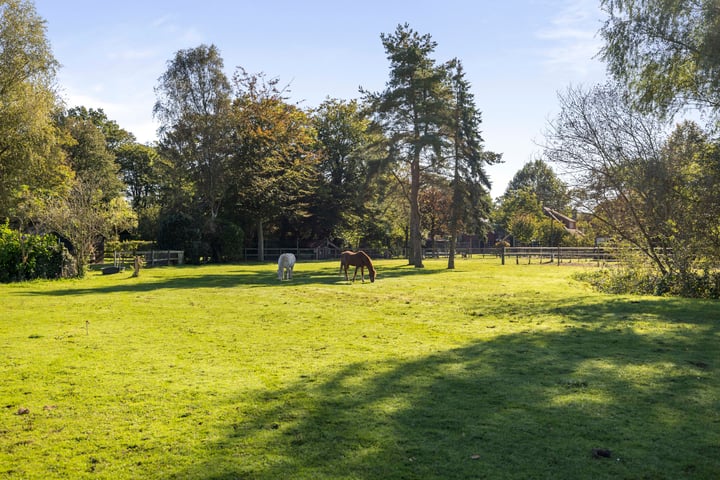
(179, 231)
(643, 282)
(27, 257)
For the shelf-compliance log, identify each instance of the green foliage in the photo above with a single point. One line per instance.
(666, 51)
(524, 227)
(141, 170)
(27, 256)
(30, 154)
(658, 192)
(180, 231)
(640, 281)
(274, 163)
(539, 178)
(128, 246)
(345, 166)
(193, 108)
(83, 216)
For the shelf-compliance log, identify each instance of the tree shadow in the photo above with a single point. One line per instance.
(187, 277)
(526, 405)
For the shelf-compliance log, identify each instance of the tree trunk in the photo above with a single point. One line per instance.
(451, 253)
(261, 241)
(415, 232)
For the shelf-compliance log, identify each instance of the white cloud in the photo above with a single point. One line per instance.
(572, 38)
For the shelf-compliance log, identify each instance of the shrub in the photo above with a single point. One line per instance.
(643, 282)
(26, 256)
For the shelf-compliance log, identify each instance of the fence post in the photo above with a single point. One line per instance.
(502, 254)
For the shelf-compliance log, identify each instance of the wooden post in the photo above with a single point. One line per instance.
(137, 264)
(502, 254)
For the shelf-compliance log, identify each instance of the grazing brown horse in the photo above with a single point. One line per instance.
(358, 260)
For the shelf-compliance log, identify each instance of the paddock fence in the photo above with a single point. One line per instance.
(151, 258)
(272, 254)
(559, 255)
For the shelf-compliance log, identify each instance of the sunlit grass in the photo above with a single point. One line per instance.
(488, 371)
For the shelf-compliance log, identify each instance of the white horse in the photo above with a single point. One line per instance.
(286, 262)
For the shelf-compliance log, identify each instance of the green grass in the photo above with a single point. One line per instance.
(487, 371)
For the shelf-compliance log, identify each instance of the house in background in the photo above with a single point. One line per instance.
(568, 223)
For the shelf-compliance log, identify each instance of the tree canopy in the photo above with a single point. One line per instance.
(31, 158)
(666, 51)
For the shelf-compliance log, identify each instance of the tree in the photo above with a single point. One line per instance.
(83, 215)
(31, 159)
(115, 137)
(412, 112)
(88, 154)
(538, 177)
(470, 184)
(193, 107)
(666, 51)
(519, 214)
(649, 190)
(345, 164)
(435, 208)
(141, 169)
(274, 158)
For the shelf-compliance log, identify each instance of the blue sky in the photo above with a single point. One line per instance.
(517, 54)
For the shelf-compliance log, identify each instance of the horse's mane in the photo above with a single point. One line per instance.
(367, 257)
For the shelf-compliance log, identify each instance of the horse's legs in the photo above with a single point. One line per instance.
(290, 269)
(355, 274)
(362, 273)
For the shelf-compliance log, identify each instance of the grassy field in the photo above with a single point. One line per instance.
(487, 371)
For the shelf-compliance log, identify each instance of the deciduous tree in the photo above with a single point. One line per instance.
(345, 164)
(666, 51)
(650, 190)
(31, 159)
(193, 107)
(274, 158)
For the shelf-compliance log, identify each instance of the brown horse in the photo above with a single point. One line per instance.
(358, 260)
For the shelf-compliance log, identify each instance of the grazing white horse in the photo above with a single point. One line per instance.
(286, 262)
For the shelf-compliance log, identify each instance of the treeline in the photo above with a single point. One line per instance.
(237, 162)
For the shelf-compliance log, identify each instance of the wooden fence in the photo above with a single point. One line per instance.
(558, 255)
(272, 254)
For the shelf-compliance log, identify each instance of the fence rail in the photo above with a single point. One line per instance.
(558, 254)
(272, 254)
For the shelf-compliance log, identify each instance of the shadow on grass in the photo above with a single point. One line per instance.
(187, 277)
(530, 405)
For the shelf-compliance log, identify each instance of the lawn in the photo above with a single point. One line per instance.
(224, 372)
